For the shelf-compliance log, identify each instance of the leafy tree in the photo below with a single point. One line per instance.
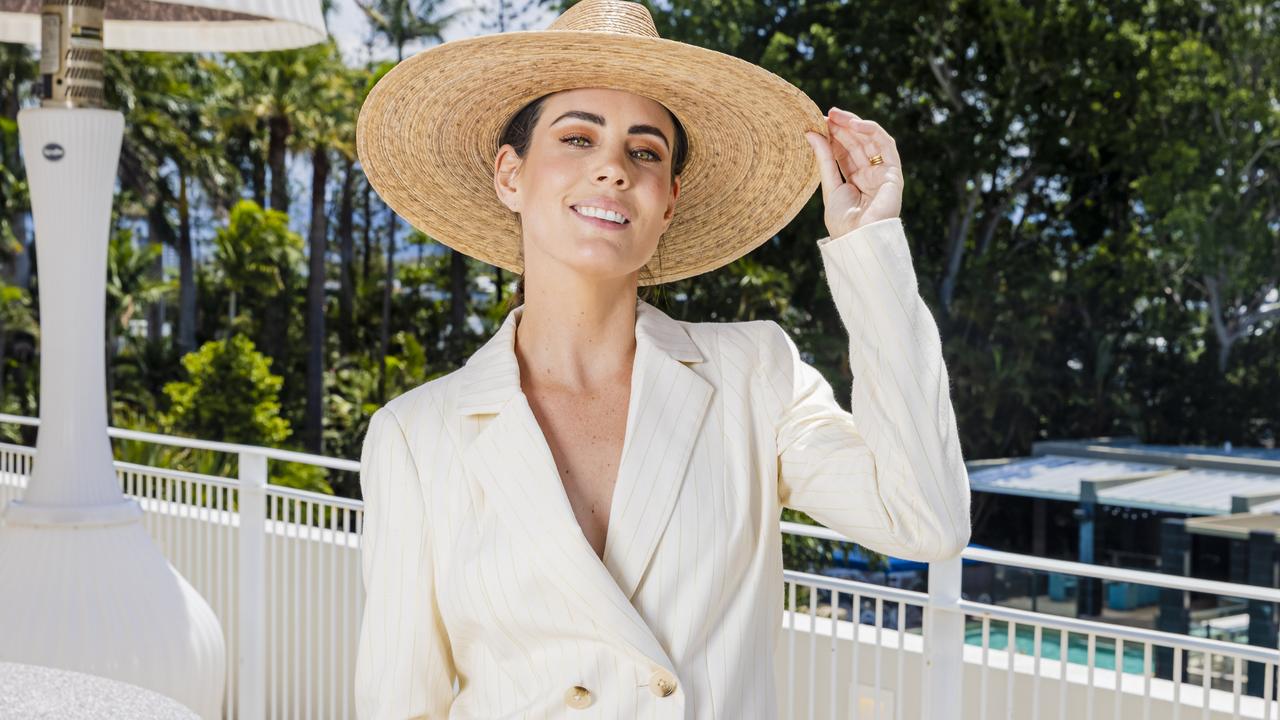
(260, 259)
(1213, 186)
(230, 394)
(18, 330)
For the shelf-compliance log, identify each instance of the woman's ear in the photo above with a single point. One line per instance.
(505, 167)
(671, 201)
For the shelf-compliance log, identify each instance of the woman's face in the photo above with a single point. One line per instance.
(591, 148)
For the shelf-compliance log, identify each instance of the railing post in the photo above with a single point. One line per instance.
(252, 638)
(944, 644)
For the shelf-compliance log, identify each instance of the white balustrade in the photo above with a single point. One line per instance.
(281, 569)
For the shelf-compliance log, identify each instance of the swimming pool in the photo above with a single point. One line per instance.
(1104, 649)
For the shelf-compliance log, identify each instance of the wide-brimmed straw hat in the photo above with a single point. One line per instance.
(428, 134)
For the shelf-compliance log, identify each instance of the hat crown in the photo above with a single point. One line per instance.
(611, 16)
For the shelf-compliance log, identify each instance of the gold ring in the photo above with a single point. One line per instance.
(877, 160)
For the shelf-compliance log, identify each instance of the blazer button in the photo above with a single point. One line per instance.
(662, 683)
(577, 697)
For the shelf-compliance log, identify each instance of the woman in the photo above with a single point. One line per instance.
(583, 520)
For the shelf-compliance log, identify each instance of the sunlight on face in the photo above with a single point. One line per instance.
(598, 148)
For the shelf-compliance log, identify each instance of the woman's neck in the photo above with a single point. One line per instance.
(579, 340)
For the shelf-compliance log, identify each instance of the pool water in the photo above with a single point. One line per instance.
(1104, 649)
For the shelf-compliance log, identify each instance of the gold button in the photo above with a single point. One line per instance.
(662, 683)
(577, 697)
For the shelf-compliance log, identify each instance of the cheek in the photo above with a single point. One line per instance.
(657, 193)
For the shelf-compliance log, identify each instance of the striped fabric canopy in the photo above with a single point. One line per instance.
(185, 25)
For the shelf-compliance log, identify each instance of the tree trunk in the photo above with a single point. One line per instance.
(279, 129)
(21, 275)
(186, 272)
(22, 384)
(958, 233)
(159, 233)
(384, 333)
(346, 240)
(315, 302)
(259, 173)
(368, 236)
(457, 300)
(4, 346)
(1225, 337)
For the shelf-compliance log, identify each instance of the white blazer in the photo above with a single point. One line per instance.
(476, 570)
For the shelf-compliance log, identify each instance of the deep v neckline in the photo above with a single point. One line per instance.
(518, 478)
(620, 476)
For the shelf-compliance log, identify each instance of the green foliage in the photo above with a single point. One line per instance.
(131, 285)
(230, 394)
(258, 255)
(1093, 208)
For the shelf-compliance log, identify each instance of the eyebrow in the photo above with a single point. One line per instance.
(598, 120)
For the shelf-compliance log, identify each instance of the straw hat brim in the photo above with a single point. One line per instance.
(428, 132)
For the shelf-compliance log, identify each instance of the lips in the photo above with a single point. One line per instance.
(599, 222)
(605, 203)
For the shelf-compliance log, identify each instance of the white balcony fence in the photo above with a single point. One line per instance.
(281, 569)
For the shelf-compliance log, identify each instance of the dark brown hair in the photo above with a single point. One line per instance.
(519, 133)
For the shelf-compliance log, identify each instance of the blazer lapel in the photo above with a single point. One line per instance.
(513, 464)
(668, 403)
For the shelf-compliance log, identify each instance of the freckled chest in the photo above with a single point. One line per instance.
(585, 433)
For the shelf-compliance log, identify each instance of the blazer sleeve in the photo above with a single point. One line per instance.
(889, 475)
(404, 664)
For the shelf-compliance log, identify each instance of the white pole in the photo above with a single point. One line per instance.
(71, 159)
(944, 644)
(253, 586)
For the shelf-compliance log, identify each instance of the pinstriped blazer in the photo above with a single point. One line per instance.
(476, 571)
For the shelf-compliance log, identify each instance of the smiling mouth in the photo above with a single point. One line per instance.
(605, 221)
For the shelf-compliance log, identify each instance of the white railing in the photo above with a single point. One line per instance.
(1083, 688)
(280, 567)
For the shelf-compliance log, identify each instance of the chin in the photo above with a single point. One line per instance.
(602, 260)
(595, 269)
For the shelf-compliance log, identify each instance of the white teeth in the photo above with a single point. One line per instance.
(603, 214)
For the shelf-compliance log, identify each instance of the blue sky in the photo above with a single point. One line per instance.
(348, 25)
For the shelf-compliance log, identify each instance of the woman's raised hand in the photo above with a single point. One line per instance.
(867, 192)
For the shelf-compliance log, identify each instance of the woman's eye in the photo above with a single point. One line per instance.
(650, 156)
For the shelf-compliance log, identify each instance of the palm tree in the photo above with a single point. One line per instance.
(325, 124)
(401, 22)
(130, 286)
(240, 109)
(498, 16)
(168, 151)
(270, 89)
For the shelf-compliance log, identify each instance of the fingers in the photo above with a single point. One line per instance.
(872, 138)
(852, 147)
(827, 167)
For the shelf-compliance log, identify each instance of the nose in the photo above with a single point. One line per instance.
(613, 169)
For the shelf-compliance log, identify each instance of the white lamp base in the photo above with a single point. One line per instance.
(82, 585)
(101, 599)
